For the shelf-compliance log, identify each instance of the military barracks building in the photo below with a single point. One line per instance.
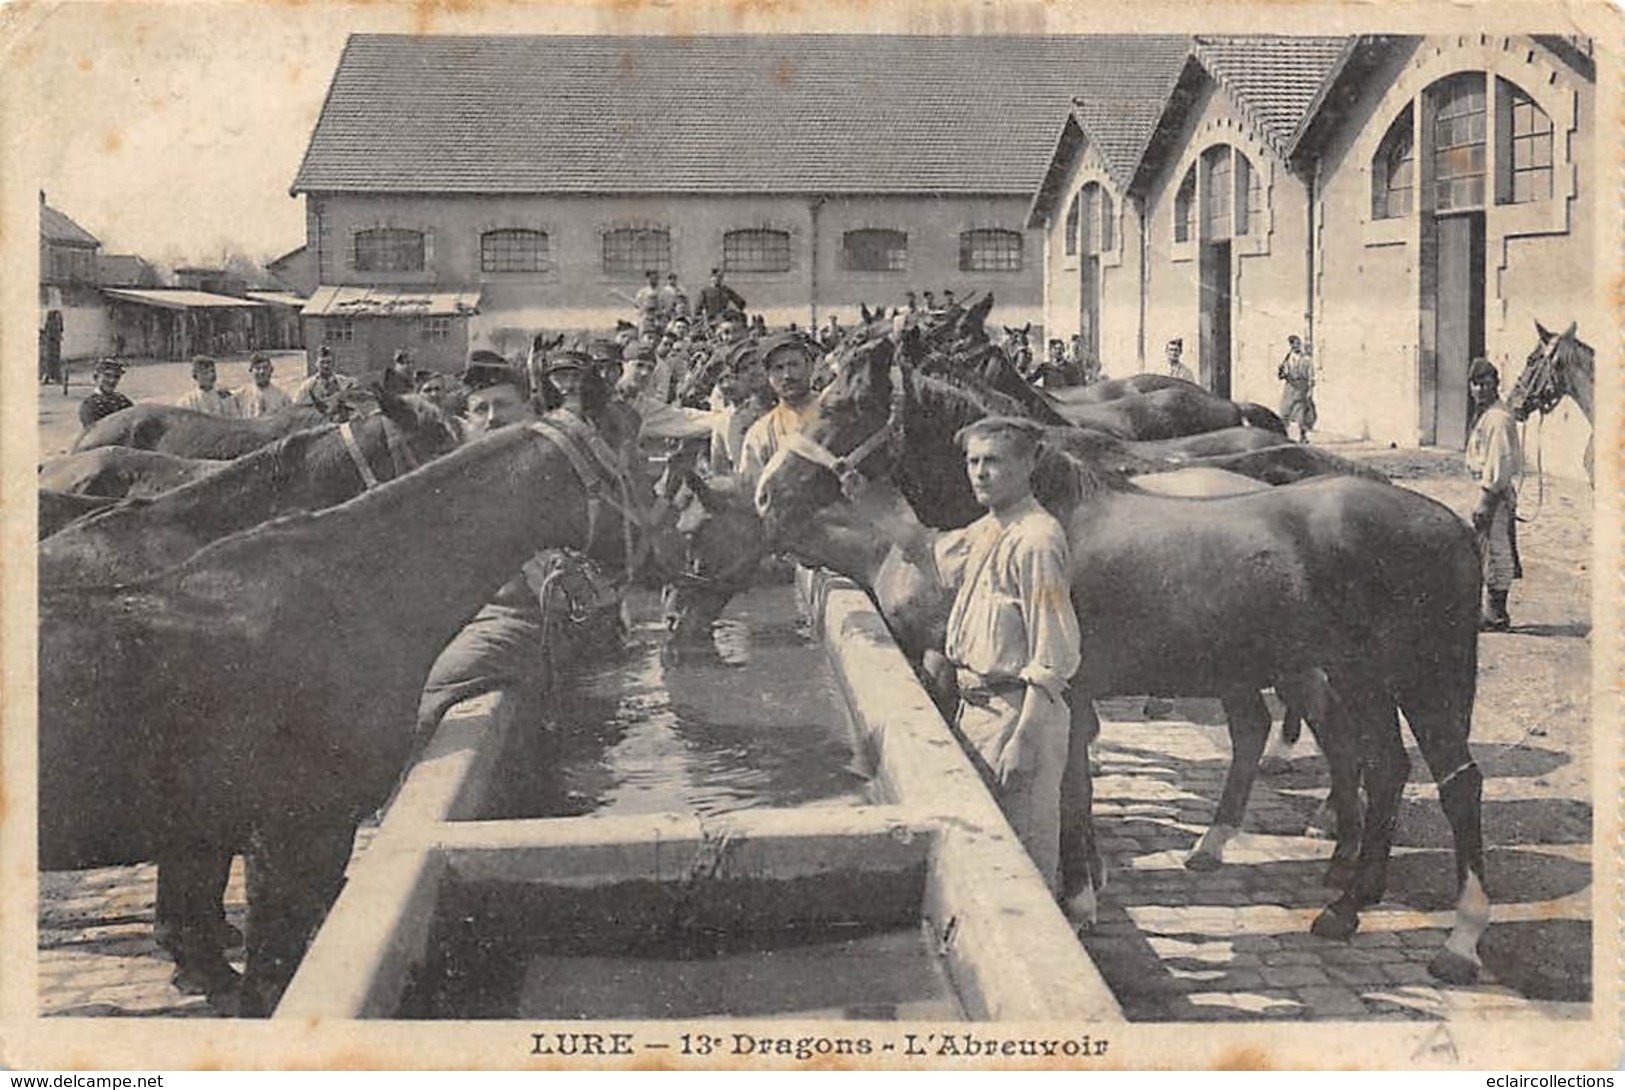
(462, 189)
(1403, 203)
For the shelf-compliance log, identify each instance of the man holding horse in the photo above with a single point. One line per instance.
(1496, 459)
(1012, 635)
(787, 358)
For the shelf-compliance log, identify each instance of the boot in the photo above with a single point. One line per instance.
(1495, 617)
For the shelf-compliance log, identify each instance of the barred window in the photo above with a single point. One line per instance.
(1072, 224)
(437, 329)
(1184, 200)
(874, 249)
(1527, 130)
(513, 250)
(1249, 195)
(756, 251)
(632, 251)
(390, 249)
(1393, 172)
(990, 249)
(1459, 135)
(338, 330)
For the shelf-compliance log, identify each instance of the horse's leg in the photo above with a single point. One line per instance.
(192, 873)
(1249, 720)
(1439, 720)
(1278, 750)
(1083, 871)
(1332, 731)
(295, 871)
(1385, 766)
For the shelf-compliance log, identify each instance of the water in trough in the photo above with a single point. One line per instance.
(758, 723)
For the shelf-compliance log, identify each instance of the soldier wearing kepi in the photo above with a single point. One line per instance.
(1012, 634)
(1496, 459)
(106, 400)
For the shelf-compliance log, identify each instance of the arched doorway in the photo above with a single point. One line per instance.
(1095, 228)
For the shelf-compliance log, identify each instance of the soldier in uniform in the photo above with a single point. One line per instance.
(106, 400)
(207, 397)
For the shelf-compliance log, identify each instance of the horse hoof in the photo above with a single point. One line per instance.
(207, 980)
(1335, 924)
(1202, 861)
(1340, 873)
(1082, 911)
(1453, 968)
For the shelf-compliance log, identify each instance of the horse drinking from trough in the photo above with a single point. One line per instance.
(266, 688)
(305, 471)
(1370, 586)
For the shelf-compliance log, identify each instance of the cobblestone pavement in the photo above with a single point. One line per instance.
(1233, 943)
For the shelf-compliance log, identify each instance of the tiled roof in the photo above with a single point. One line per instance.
(56, 227)
(807, 113)
(125, 271)
(1273, 79)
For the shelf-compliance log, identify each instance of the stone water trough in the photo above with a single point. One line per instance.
(918, 905)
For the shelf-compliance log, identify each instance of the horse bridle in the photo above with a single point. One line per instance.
(401, 455)
(1546, 388)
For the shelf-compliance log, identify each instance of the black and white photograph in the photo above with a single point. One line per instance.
(879, 536)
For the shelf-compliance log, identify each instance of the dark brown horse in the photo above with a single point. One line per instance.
(1371, 587)
(60, 509)
(306, 471)
(1111, 389)
(1560, 366)
(173, 430)
(266, 688)
(120, 472)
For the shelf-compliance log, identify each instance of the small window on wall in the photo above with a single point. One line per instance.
(513, 251)
(990, 250)
(874, 250)
(437, 329)
(1183, 202)
(756, 251)
(1218, 194)
(1249, 196)
(1096, 231)
(1393, 171)
(1525, 160)
(632, 251)
(1072, 225)
(1460, 123)
(1108, 223)
(338, 331)
(390, 249)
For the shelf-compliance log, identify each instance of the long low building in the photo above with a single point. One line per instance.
(547, 175)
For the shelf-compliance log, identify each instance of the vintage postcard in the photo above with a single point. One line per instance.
(776, 536)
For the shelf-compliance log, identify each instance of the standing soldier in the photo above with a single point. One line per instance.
(673, 299)
(1297, 371)
(261, 396)
(1012, 633)
(1496, 459)
(647, 300)
(105, 400)
(718, 299)
(207, 397)
(319, 389)
(1176, 366)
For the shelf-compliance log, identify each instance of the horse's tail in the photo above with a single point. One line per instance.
(1254, 415)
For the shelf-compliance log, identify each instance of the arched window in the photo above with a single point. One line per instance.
(1072, 225)
(513, 250)
(756, 251)
(1460, 124)
(632, 251)
(1183, 202)
(990, 250)
(874, 249)
(1393, 171)
(1524, 159)
(390, 249)
(1108, 223)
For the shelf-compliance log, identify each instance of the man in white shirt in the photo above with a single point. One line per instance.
(319, 389)
(261, 396)
(207, 397)
(787, 360)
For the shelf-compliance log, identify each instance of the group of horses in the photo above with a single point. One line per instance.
(232, 644)
(1263, 564)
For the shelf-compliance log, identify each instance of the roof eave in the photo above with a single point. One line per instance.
(1305, 122)
(1043, 202)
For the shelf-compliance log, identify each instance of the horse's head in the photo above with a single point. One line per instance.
(722, 541)
(424, 430)
(857, 418)
(1546, 377)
